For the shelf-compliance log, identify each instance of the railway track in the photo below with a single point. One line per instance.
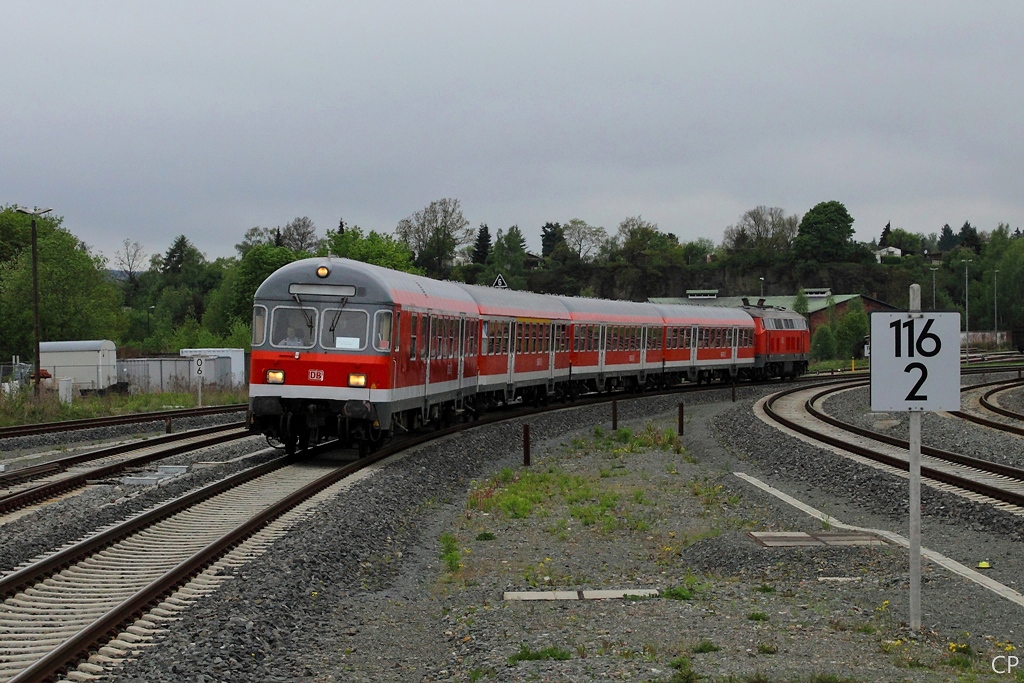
(90, 423)
(63, 611)
(799, 409)
(32, 485)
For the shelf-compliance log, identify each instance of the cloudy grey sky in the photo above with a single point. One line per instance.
(147, 120)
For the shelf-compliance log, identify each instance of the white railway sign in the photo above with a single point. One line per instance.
(915, 361)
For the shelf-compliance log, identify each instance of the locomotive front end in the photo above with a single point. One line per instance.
(321, 362)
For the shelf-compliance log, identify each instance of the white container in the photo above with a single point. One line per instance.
(65, 389)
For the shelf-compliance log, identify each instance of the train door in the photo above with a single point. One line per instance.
(510, 379)
(553, 337)
(461, 353)
(642, 349)
(428, 353)
(694, 344)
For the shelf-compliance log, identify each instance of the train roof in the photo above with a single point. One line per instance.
(597, 310)
(771, 312)
(516, 304)
(716, 315)
(370, 284)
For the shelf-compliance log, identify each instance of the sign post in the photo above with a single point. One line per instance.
(915, 366)
(199, 374)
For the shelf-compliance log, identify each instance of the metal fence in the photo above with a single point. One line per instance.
(13, 376)
(152, 375)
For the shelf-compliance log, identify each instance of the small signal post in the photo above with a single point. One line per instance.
(915, 366)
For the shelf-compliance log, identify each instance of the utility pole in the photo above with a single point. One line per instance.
(967, 312)
(35, 213)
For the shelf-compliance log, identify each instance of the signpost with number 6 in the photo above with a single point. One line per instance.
(915, 366)
(198, 365)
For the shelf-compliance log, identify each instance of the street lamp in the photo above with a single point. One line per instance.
(35, 213)
(149, 312)
(762, 287)
(933, 286)
(967, 311)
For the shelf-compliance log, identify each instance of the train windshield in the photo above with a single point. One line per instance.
(293, 327)
(348, 332)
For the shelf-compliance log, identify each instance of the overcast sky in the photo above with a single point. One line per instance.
(147, 120)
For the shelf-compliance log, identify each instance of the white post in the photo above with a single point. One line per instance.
(915, 493)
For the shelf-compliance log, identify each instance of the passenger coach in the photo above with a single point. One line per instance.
(346, 349)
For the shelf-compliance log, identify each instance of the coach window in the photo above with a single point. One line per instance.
(344, 330)
(382, 327)
(414, 323)
(292, 327)
(259, 325)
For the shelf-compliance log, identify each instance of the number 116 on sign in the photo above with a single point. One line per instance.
(915, 361)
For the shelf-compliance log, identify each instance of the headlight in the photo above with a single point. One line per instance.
(355, 380)
(275, 376)
(323, 271)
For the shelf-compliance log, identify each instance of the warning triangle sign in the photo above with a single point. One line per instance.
(499, 282)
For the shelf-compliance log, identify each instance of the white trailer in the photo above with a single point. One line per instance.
(91, 365)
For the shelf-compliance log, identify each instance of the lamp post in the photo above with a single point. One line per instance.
(933, 286)
(149, 312)
(967, 312)
(35, 213)
(762, 287)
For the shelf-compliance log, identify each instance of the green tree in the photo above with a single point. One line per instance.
(77, 299)
(253, 269)
(375, 248)
(551, 236)
(969, 237)
(801, 305)
(434, 234)
(823, 345)
(851, 329)
(825, 234)
(508, 257)
(947, 238)
(906, 241)
(482, 247)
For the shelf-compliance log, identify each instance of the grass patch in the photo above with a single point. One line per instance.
(485, 536)
(22, 408)
(450, 552)
(757, 616)
(677, 593)
(705, 646)
(525, 654)
(767, 649)
(765, 588)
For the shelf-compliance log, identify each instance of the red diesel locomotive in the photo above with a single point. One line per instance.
(350, 350)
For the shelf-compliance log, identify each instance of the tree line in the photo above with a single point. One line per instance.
(175, 298)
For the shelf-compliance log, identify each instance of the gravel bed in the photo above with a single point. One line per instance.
(360, 591)
(53, 526)
(20, 445)
(1012, 399)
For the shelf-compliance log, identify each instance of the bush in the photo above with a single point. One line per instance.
(823, 345)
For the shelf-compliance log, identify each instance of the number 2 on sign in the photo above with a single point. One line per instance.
(918, 345)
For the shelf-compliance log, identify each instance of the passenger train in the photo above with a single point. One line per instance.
(350, 350)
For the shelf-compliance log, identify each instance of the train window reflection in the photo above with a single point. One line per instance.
(382, 337)
(259, 325)
(344, 330)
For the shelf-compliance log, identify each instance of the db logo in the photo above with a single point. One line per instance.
(316, 375)
(1005, 664)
